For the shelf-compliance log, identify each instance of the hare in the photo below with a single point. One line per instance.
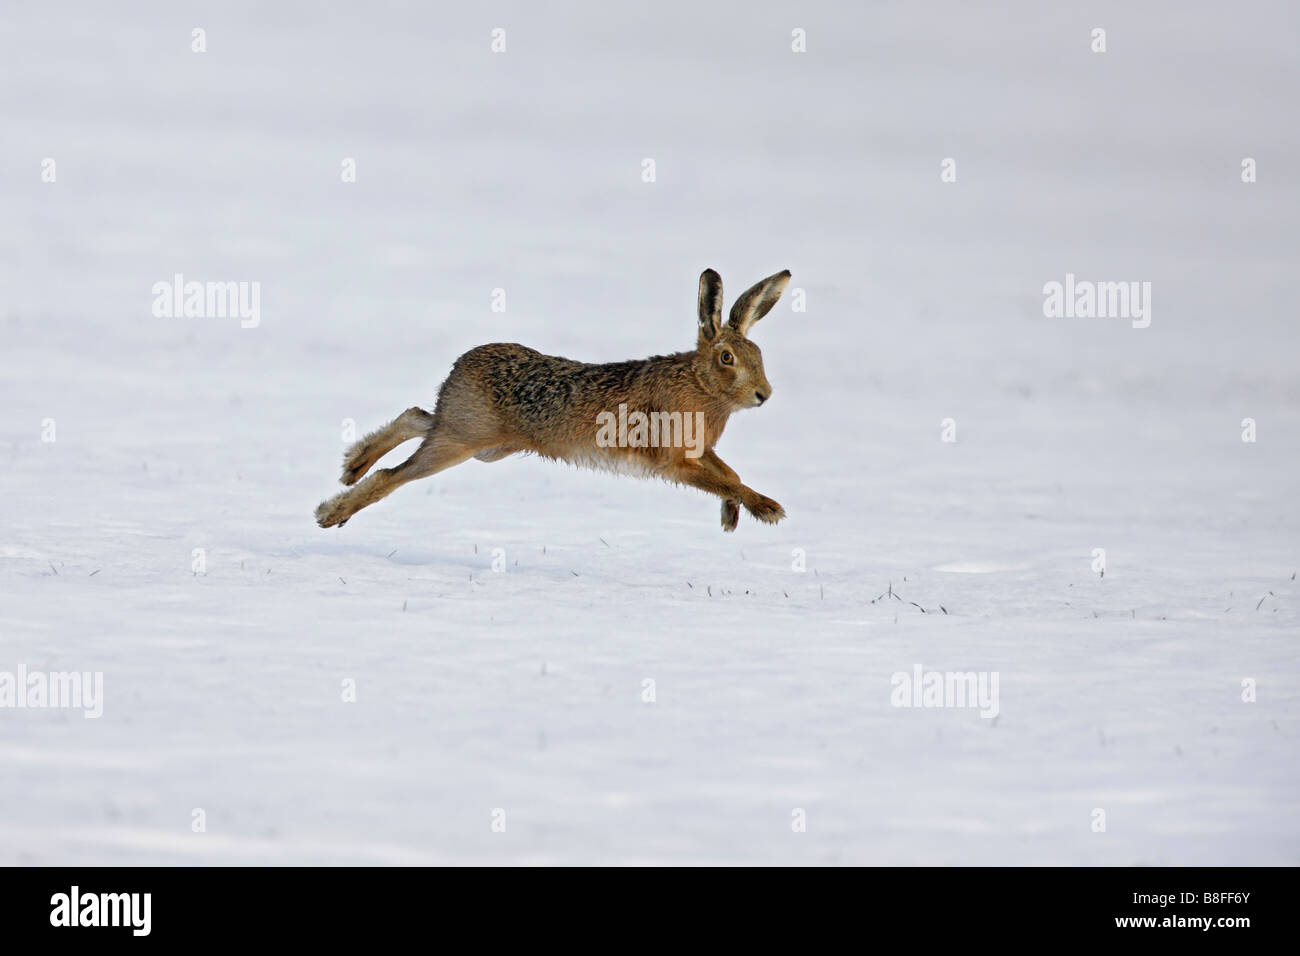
(502, 399)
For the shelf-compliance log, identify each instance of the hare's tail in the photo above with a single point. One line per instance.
(361, 457)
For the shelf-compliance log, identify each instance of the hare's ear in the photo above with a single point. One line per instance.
(710, 304)
(757, 302)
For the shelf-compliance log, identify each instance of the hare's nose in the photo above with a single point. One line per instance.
(761, 397)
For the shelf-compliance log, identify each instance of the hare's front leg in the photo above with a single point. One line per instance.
(710, 473)
(760, 506)
(730, 506)
(730, 513)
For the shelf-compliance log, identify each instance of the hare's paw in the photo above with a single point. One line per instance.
(356, 462)
(730, 514)
(765, 509)
(352, 470)
(333, 512)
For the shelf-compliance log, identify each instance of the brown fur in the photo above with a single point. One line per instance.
(504, 398)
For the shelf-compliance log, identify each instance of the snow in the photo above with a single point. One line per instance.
(522, 690)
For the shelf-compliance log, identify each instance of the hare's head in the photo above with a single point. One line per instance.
(728, 364)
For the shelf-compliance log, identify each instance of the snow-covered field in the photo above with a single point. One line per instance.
(524, 690)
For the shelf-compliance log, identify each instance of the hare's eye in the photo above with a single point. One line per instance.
(727, 358)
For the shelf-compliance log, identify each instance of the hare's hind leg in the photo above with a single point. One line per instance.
(435, 454)
(361, 457)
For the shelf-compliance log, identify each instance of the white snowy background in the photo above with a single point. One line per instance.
(522, 690)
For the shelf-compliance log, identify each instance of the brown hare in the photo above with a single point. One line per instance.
(658, 417)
